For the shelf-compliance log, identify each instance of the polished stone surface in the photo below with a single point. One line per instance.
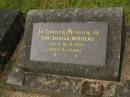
(70, 43)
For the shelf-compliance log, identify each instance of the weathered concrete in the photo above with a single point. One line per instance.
(11, 30)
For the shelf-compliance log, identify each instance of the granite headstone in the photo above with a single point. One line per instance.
(74, 42)
(102, 58)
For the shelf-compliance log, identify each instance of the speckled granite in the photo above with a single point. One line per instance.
(11, 30)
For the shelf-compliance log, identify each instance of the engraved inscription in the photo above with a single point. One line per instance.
(75, 43)
(69, 42)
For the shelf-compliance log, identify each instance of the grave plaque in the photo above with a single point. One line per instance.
(72, 43)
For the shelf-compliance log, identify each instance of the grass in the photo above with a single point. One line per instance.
(26, 5)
